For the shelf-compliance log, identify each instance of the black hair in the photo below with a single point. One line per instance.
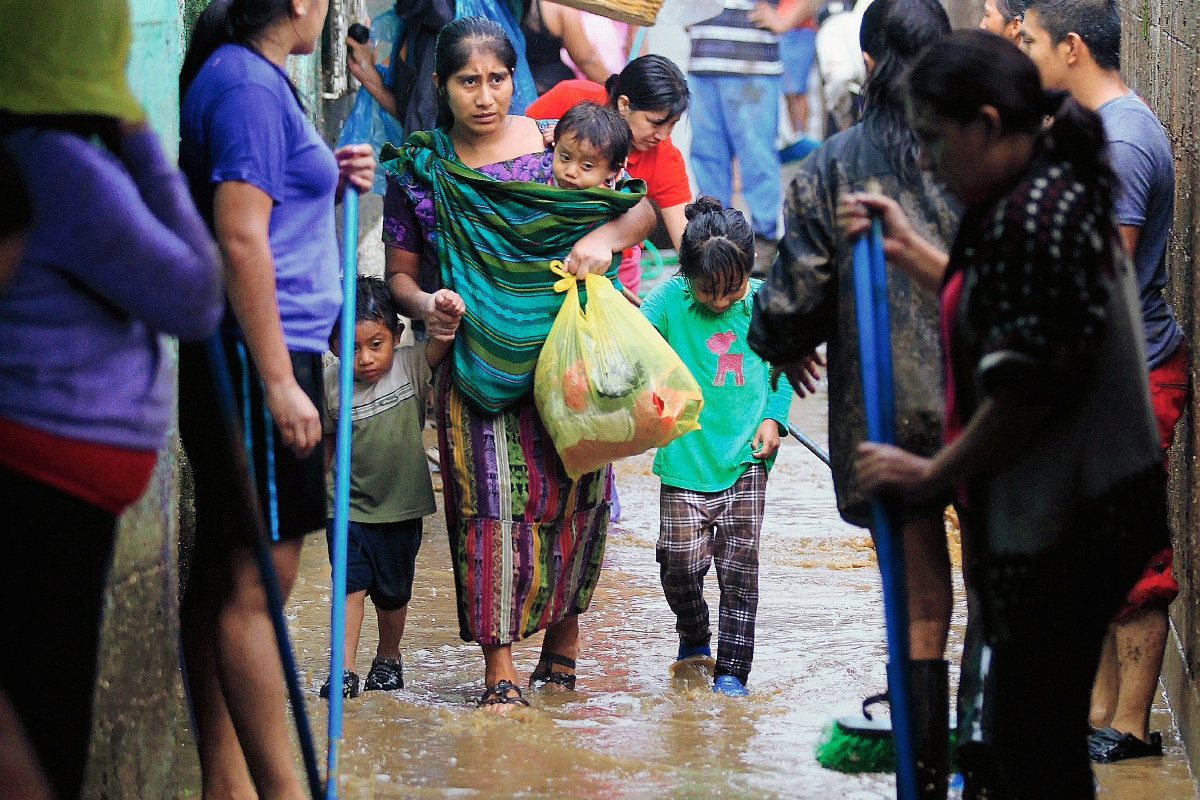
(16, 211)
(599, 126)
(717, 250)
(1096, 22)
(455, 43)
(373, 303)
(972, 69)
(1012, 9)
(893, 33)
(224, 21)
(652, 83)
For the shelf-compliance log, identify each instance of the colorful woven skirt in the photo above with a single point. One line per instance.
(525, 540)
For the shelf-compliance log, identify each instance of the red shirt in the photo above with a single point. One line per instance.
(104, 475)
(661, 167)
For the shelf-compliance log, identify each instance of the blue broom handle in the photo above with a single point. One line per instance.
(341, 486)
(874, 344)
(219, 369)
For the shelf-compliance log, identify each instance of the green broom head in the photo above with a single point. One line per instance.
(856, 744)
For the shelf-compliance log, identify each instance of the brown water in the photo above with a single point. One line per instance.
(632, 731)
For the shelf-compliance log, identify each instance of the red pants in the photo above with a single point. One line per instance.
(1169, 391)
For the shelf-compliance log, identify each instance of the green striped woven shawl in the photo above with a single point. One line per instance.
(496, 240)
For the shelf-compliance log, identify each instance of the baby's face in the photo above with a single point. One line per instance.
(579, 164)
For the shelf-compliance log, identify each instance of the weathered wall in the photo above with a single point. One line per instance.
(138, 689)
(138, 730)
(1160, 61)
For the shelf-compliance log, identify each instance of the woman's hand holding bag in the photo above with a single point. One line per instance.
(607, 384)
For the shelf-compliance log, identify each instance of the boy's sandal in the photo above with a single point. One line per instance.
(564, 679)
(498, 695)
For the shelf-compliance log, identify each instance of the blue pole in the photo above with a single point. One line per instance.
(219, 368)
(341, 486)
(875, 353)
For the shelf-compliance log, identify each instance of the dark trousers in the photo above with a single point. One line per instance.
(57, 553)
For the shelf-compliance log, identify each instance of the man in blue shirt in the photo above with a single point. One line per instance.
(1076, 46)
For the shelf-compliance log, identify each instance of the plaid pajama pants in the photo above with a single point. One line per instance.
(697, 528)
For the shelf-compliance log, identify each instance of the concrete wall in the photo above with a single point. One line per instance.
(1160, 62)
(138, 689)
(138, 740)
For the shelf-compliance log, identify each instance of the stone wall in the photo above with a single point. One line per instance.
(1160, 62)
(140, 742)
(138, 693)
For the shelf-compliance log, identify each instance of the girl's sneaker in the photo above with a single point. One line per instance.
(387, 674)
(729, 686)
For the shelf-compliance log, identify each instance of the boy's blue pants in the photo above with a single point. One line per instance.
(735, 116)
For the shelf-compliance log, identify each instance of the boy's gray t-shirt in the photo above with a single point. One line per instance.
(1140, 154)
(389, 479)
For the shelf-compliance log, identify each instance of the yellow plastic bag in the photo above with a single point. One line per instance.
(607, 384)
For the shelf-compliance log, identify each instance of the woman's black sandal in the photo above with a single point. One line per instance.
(498, 695)
(565, 680)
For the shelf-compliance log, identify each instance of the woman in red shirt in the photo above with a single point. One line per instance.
(651, 94)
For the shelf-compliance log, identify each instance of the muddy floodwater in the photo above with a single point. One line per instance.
(631, 730)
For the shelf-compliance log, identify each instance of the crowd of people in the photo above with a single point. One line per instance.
(1025, 196)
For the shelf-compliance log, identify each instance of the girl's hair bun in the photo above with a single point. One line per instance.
(704, 205)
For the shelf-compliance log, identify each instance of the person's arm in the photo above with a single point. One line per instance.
(767, 16)
(242, 218)
(675, 221)
(329, 450)
(436, 350)
(779, 400)
(1138, 176)
(1130, 234)
(360, 58)
(594, 252)
(142, 245)
(575, 40)
(654, 308)
(795, 309)
(440, 310)
(904, 248)
(1002, 428)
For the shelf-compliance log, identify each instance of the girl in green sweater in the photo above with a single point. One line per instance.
(714, 480)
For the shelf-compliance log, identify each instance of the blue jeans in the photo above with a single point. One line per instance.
(797, 51)
(736, 116)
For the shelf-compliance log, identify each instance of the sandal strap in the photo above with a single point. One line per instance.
(563, 679)
(554, 658)
(498, 695)
(882, 697)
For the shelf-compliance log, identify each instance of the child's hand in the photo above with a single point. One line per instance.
(548, 137)
(766, 440)
(448, 308)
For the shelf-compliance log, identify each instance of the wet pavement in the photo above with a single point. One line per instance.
(631, 731)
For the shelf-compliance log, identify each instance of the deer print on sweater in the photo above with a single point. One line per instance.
(719, 343)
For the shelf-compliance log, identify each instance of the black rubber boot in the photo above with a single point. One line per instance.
(930, 725)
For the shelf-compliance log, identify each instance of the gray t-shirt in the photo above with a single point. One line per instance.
(1141, 157)
(389, 479)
